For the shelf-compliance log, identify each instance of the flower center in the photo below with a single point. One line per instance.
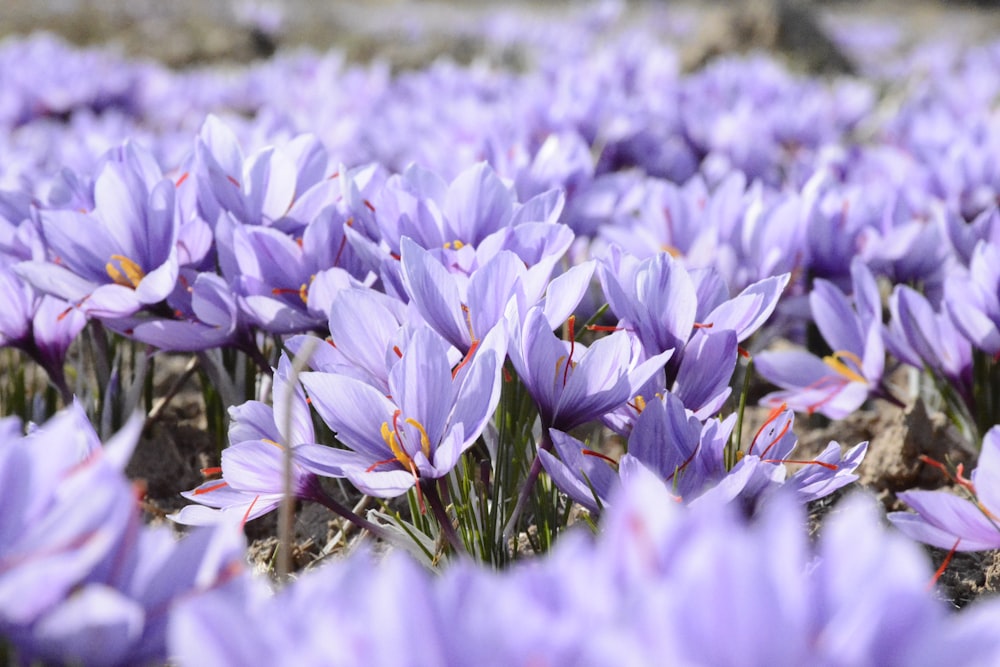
(124, 271)
(836, 362)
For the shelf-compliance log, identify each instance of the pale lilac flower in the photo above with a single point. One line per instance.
(949, 521)
(433, 414)
(841, 382)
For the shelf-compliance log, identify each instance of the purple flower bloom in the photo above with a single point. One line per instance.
(923, 338)
(839, 383)
(973, 300)
(285, 188)
(949, 521)
(432, 415)
(81, 579)
(252, 467)
(127, 258)
(761, 470)
(41, 326)
(572, 384)
(667, 439)
(205, 316)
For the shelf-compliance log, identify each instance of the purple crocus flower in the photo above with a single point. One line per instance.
(418, 432)
(973, 299)
(285, 188)
(839, 383)
(43, 327)
(666, 438)
(365, 328)
(948, 521)
(572, 384)
(128, 259)
(923, 338)
(81, 579)
(660, 301)
(253, 481)
(205, 316)
(761, 470)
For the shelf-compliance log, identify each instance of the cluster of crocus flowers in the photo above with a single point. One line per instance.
(421, 239)
(82, 580)
(658, 580)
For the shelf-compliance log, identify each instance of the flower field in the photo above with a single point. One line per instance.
(589, 357)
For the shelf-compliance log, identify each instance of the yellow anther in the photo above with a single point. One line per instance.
(456, 244)
(425, 442)
(127, 273)
(389, 435)
(835, 361)
(640, 404)
(671, 250)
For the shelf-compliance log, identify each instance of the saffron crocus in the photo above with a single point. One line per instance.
(666, 438)
(839, 383)
(128, 258)
(82, 581)
(659, 300)
(949, 521)
(43, 327)
(284, 187)
(924, 338)
(572, 384)
(458, 306)
(973, 300)
(418, 432)
(761, 469)
(253, 478)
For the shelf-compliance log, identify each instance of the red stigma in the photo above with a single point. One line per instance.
(743, 352)
(828, 466)
(381, 463)
(232, 180)
(208, 472)
(399, 353)
(209, 489)
(466, 359)
(246, 516)
(602, 327)
(773, 415)
(944, 565)
(369, 206)
(598, 455)
(506, 375)
(183, 178)
(701, 325)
